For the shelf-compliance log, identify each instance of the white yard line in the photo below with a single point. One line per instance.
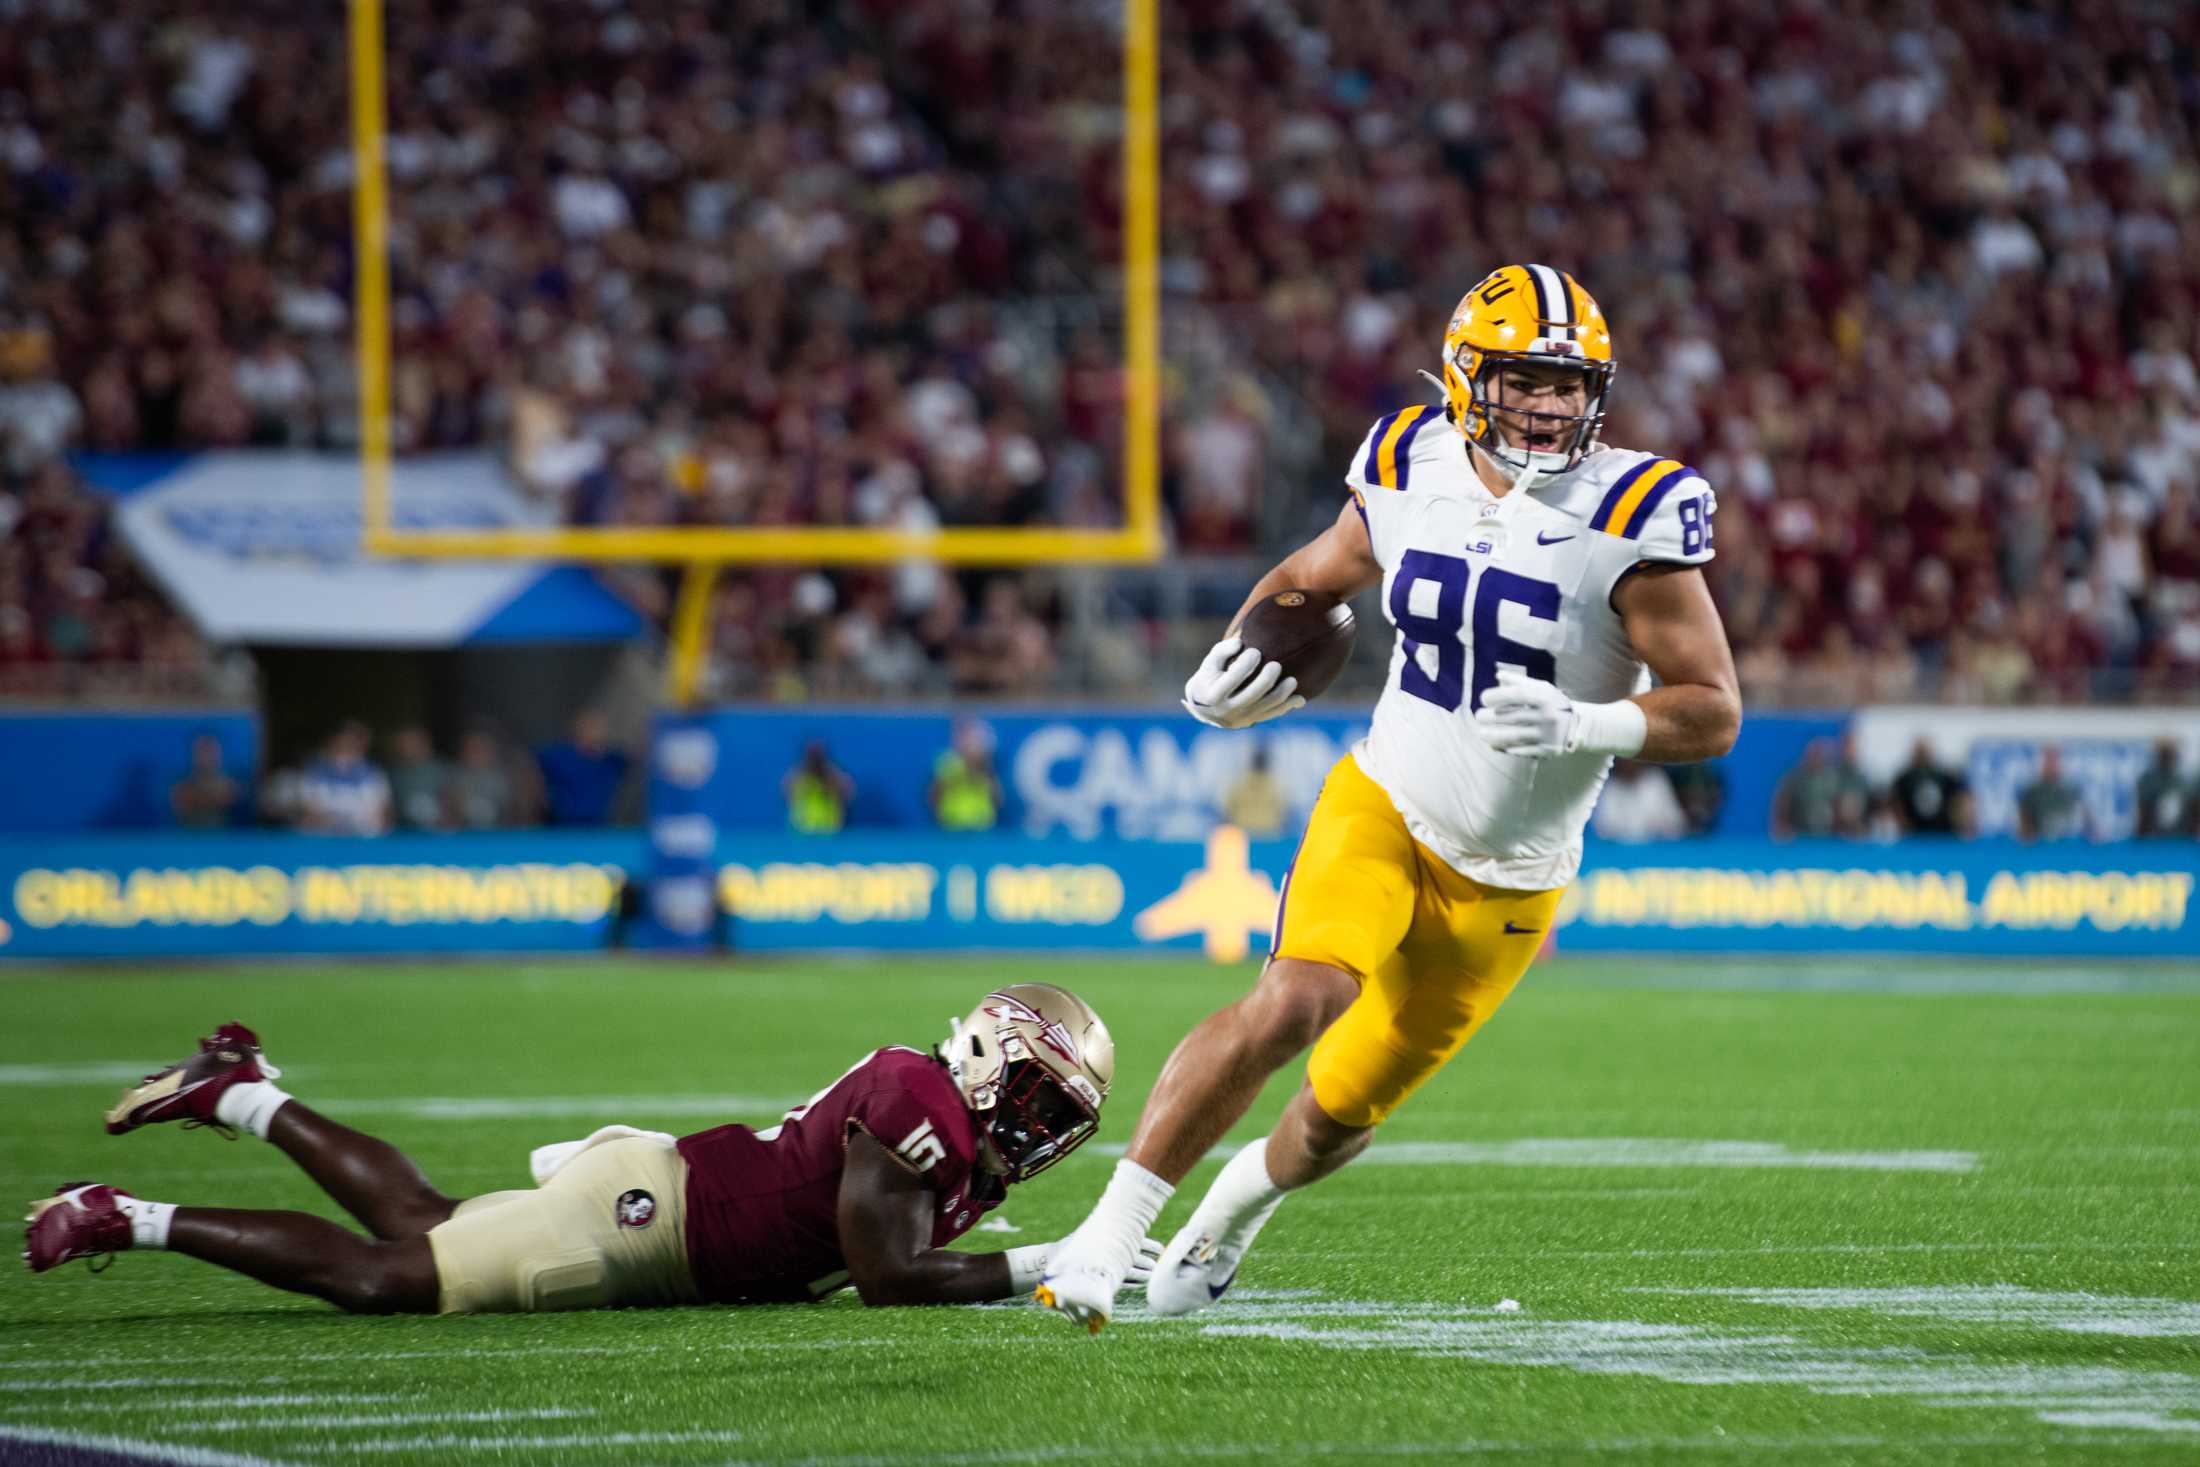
(2097, 1397)
(123, 1383)
(381, 1419)
(132, 1447)
(555, 1107)
(1769, 1447)
(148, 1404)
(2072, 1313)
(1866, 976)
(87, 1072)
(1760, 1251)
(446, 1442)
(1640, 1151)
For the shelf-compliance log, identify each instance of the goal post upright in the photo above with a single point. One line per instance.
(1136, 541)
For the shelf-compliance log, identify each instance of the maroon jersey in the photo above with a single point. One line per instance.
(762, 1206)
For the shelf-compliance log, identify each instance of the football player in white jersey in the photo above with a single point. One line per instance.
(1551, 615)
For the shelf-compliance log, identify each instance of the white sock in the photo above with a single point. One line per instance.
(1242, 1199)
(250, 1106)
(1125, 1212)
(148, 1221)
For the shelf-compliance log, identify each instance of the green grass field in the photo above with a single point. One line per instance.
(1859, 1210)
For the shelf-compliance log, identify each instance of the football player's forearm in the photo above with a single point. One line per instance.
(1279, 579)
(1339, 561)
(1685, 722)
(937, 1276)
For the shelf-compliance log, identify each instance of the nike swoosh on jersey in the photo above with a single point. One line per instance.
(1544, 537)
(1520, 931)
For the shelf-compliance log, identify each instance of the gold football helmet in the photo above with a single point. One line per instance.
(1034, 1064)
(1526, 314)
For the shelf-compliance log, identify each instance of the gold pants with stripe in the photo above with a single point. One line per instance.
(1435, 952)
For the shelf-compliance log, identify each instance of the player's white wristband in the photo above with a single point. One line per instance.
(1026, 1266)
(1609, 728)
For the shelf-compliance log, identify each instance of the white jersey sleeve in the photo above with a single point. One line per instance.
(1382, 467)
(1663, 509)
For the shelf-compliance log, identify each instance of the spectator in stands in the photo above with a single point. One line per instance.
(1702, 792)
(342, 792)
(582, 775)
(417, 781)
(965, 793)
(206, 798)
(1639, 804)
(1825, 795)
(1007, 650)
(818, 792)
(2169, 801)
(2050, 808)
(1918, 297)
(481, 794)
(1255, 801)
(1928, 798)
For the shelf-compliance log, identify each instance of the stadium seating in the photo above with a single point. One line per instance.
(1921, 302)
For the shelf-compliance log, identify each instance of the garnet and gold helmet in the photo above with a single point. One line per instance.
(1534, 315)
(1034, 1063)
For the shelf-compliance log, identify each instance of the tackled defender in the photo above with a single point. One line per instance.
(865, 1183)
(1551, 614)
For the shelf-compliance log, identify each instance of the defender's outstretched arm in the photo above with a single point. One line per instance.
(885, 1216)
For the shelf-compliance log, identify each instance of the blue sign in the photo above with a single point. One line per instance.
(222, 895)
(109, 771)
(906, 892)
(1080, 774)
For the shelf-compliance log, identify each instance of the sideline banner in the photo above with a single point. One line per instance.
(217, 895)
(932, 892)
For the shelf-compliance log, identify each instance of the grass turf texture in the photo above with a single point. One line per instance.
(1363, 1326)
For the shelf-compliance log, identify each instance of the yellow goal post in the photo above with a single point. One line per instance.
(705, 548)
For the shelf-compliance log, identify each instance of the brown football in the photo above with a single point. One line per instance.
(1309, 632)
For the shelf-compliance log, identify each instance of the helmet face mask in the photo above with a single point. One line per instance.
(1574, 433)
(1036, 1121)
(1033, 1062)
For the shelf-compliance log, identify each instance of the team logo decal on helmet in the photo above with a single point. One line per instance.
(636, 1208)
(1535, 316)
(1033, 1062)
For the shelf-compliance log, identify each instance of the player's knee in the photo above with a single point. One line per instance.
(380, 1281)
(1324, 1136)
(1294, 1003)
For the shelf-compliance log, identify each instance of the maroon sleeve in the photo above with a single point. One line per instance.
(920, 1118)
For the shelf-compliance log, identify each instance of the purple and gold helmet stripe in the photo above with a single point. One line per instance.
(1554, 302)
(1628, 505)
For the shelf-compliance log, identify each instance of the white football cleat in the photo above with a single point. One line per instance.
(1195, 1270)
(1082, 1280)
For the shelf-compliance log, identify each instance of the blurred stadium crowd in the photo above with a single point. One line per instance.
(1918, 289)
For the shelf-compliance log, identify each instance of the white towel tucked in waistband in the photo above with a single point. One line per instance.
(547, 1161)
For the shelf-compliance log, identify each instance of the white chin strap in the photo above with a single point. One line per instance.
(1527, 468)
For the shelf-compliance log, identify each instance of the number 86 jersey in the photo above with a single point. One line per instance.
(1474, 582)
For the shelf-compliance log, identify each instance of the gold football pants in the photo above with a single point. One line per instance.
(1435, 952)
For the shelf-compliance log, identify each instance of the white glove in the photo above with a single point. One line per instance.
(1235, 688)
(1029, 1264)
(1532, 719)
